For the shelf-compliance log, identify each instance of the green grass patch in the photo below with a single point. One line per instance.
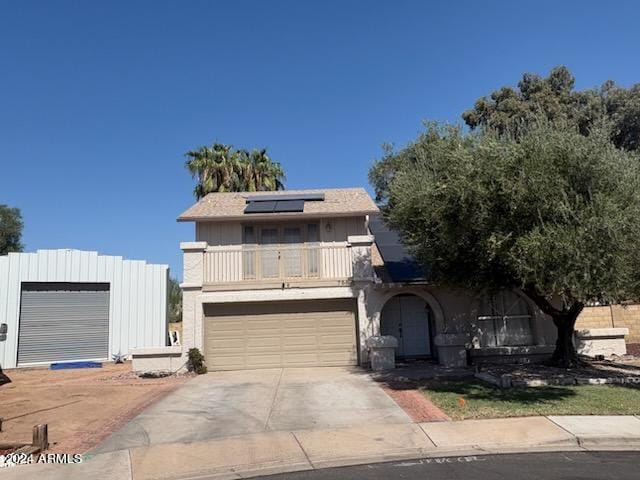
(473, 399)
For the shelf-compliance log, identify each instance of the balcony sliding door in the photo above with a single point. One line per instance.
(249, 247)
(269, 252)
(292, 251)
(281, 251)
(313, 250)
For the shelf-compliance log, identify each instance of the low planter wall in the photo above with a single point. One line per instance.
(518, 354)
(382, 352)
(157, 360)
(452, 349)
(601, 341)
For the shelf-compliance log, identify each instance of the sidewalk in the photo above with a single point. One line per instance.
(276, 452)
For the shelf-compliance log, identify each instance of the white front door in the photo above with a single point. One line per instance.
(415, 326)
(406, 317)
(391, 323)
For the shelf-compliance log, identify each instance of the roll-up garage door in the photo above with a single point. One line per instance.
(280, 334)
(63, 322)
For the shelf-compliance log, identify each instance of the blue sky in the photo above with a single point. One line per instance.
(100, 100)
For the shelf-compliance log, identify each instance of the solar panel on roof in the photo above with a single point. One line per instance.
(260, 207)
(310, 197)
(289, 206)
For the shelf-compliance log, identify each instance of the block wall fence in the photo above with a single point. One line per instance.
(612, 316)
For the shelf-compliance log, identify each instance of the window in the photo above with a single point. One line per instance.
(504, 320)
(249, 235)
(272, 251)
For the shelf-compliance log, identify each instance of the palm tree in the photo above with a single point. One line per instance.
(258, 173)
(221, 168)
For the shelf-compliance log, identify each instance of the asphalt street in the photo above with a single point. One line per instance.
(534, 466)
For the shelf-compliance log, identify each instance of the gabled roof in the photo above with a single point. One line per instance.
(338, 202)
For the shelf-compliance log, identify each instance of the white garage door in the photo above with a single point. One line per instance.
(280, 334)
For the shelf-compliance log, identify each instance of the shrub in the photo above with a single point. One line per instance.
(196, 361)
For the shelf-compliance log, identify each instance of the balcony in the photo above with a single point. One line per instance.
(245, 267)
(278, 264)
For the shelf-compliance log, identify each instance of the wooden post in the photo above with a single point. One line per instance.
(41, 436)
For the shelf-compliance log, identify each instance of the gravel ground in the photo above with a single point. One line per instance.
(622, 367)
(81, 406)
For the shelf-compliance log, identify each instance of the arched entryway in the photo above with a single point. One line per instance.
(408, 317)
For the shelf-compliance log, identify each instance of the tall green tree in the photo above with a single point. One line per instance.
(510, 109)
(549, 211)
(222, 168)
(10, 230)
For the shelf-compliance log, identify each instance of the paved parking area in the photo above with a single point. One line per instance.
(224, 404)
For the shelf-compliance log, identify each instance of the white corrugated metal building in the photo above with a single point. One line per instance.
(71, 305)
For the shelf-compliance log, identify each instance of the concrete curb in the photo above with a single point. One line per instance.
(269, 453)
(103, 468)
(590, 441)
(239, 473)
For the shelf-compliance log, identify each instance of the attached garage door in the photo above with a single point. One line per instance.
(63, 321)
(280, 334)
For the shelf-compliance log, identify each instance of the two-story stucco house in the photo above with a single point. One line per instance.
(304, 277)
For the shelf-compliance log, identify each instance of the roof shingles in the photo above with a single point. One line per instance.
(231, 205)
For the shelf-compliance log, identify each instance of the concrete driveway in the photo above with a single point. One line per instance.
(222, 404)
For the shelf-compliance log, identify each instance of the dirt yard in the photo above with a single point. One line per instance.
(81, 406)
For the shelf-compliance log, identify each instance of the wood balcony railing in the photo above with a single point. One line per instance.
(277, 263)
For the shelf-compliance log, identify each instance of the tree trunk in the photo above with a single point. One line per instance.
(565, 354)
(564, 319)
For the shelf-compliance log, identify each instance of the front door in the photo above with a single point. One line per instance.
(406, 317)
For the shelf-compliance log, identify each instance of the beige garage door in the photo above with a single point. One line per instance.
(280, 334)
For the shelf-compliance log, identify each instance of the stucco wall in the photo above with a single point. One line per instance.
(230, 233)
(219, 233)
(338, 229)
(194, 299)
(613, 316)
(454, 311)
